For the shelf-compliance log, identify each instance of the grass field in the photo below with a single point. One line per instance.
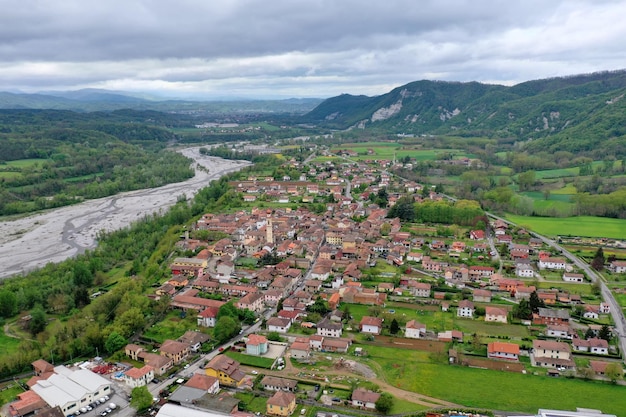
(387, 150)
(253, 402)
(9, 174)
(23, 163)
(249, 360)
(8, 344)
(172, 327)
(9, 394)
(497, 390)
(573, 226)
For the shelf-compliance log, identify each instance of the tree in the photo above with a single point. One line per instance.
(384, 404)
(535, 302)
(8, 304)
(374, 311)
(274, 336)
(614, 372)
(115, 342)
(605, 333)
(598, 260)
(404, 209)
(225, 328)
(522, 310)
(586, 372)
(319, 306)
(37, 322)
(142, 399)
(394, 328)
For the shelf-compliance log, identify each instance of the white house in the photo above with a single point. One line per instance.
(572, 277)
(465, 309)
(364, 398)
(208, 317)
(552, 263)
(139, 377)
(501, 350)
(372, 325)
(559, 332)
(414, 330)
(618, 267)
(495, 314)
(594, 345)
(420, 289)
(276, 324)
(524, 271)
(326, 327)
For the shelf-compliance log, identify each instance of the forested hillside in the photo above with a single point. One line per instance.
(54, 158)
(580, 114)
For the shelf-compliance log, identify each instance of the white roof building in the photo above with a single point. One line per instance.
(71, 390)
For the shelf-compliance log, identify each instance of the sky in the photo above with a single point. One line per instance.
(207, 49)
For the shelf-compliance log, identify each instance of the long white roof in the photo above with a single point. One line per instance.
(67, 386)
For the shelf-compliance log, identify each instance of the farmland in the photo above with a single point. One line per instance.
(573, 226)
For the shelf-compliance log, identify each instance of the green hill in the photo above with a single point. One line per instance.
(578, 113)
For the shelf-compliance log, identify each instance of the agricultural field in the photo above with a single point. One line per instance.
(387, 151)
(172, 327)
(9, 344)
(483, 388)
(587, 226)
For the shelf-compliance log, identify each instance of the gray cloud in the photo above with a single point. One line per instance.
(297, 47)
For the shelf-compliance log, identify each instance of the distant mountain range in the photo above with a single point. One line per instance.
(574, 113)
(88, 100)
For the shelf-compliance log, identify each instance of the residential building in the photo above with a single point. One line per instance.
(252, 301)
(572, 277)
(281, 404)
(364, 398)
(139, 377)
(326, 327)
(414, 330)
(593, 345)
(176, 351)
(272, 383)
(209, 384)
(277, 324)
(496, 314)
(502, 350)
(465, 309)
(226, 370)
(549, 316)
(551, 354)
(256, 345)
(372, 325)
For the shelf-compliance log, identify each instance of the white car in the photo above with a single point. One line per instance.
(254, 373)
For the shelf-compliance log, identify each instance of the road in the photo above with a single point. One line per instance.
(55, 235)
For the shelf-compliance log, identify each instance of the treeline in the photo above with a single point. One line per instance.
(87, 324)
(604, 205)
(461, 212)
(73, 156)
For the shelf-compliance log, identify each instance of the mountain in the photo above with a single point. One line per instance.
(89, 100)
(573, 113)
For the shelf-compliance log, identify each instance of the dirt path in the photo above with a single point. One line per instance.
(414, 397)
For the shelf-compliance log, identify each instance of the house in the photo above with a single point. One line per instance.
(419, 289)
(363, 398)
(572, 277)
(44, 368)
(139, 377)
(477, 234)
(277, 324)
(617, 267)
(28, 403)
(496, 314)
(175, 350)
(560, 332)
(591, 312)
(300, 349)
(252, 301)
(502, 350)
(548, 316)
(326, 327)
(482, 296)
(209, 384)
(465, 309)
(281, 404)
(414, 330)
(161, 364)
(604, 308)
(334, 344)
(194, 339)
(256, 345)
(372, 325)
(593, 345)
(551, 354)
(552, 263)
(450, 336)
(226, 370)
(272, 383)
(208, 317)
(598, 367)
(524, 270)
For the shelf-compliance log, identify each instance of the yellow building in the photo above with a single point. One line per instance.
(226, 370)
(281, 404)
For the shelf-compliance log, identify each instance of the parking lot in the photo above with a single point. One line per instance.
(101, 408)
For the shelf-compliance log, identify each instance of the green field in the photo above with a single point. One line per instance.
(387, 150)
(172, 327)
(9, 394)
(573, 226)
(249, 360)
(8, 344)
(23, 163)
(496, 390)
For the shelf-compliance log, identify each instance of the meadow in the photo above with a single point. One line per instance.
(389, 150)
(482, 388)
(250, 360)
(586, 226)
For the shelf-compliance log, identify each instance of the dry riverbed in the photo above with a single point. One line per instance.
(52, 236)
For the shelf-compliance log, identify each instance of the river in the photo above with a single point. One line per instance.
(55, 235)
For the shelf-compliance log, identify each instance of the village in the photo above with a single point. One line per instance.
(330, 283)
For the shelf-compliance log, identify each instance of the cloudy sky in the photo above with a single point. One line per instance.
(300, 48)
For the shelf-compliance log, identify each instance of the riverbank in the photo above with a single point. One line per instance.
(53, 236)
